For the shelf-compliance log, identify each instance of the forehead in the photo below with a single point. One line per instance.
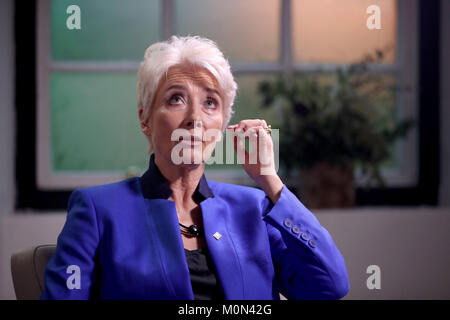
(180, 74)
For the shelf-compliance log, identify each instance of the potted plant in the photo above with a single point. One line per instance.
(332, 123)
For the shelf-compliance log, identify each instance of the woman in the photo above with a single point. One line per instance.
(173, 234)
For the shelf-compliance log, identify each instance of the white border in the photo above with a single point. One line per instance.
(405, 68)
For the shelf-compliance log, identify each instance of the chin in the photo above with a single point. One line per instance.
(189, 157)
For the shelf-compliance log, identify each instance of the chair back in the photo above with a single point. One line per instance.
(28, 268)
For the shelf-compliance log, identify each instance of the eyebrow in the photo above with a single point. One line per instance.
(211, 90)
(180, 87)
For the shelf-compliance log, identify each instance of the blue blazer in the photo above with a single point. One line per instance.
(120, 245)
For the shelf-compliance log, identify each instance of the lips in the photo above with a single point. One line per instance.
(191, 141)
(190, 138)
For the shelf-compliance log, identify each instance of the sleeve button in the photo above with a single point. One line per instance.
(296, 229)
(312, 243)
(287, 222)
(304, 236)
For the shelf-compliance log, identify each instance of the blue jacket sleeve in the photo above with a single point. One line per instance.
(307, 263)
(70, 272)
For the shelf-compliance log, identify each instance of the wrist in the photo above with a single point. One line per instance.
(271, 185)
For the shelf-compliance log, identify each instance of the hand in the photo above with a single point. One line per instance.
(260, 162)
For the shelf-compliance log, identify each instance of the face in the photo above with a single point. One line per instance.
(188, 105)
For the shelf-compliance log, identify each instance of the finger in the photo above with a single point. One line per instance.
(250, 132)
(266, 150)
(258, 143)
(239, 147)
(232, 126)
(252, 135)
(266, 154)
(266, 136)
(258, 131)
(244, 125)
(249, 123)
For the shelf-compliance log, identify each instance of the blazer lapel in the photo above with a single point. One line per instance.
(163, 221)
(222, 250)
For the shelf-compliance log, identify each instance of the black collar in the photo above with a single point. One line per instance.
(154, 184)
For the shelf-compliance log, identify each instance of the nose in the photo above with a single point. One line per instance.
(194, 116)
(194, 124)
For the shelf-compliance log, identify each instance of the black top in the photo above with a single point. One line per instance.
(205, 283)
(154, 184)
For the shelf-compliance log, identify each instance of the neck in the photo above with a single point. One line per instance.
(183, 179)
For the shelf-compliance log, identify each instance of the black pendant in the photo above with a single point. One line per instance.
(193, 230)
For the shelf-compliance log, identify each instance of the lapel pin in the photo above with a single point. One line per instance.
(217, 235)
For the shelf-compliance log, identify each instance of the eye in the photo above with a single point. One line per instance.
(211, 103)
(175, 99)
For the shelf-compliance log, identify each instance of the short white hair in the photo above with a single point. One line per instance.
(203, 52)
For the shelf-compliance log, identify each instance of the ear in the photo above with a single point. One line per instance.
(144, 126)
(145, 129)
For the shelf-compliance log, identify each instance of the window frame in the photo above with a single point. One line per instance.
(405, 184)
